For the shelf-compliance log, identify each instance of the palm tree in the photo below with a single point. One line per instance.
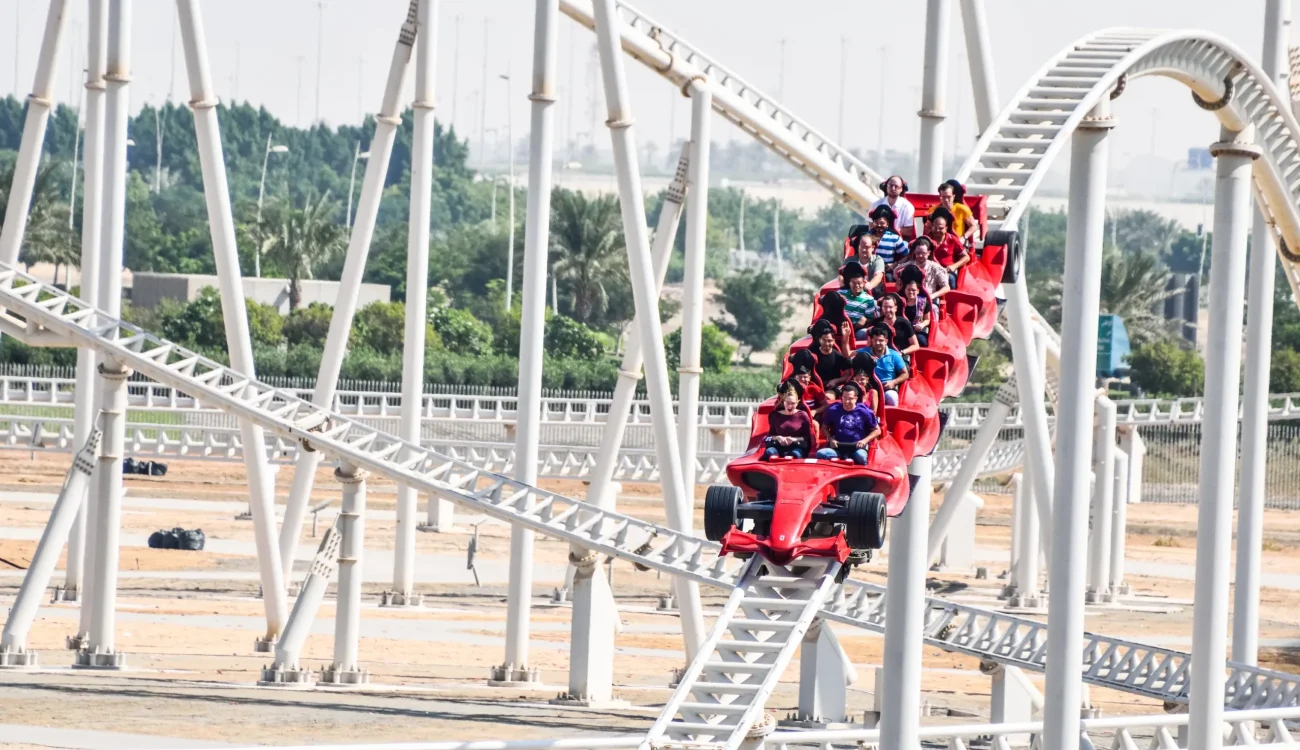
(48, 237)
(299, 240)
(1132, 287)
(587, 236)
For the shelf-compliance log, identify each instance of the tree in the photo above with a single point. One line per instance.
(1132, 287)
(47, 238)
(715, 350)
(1163, 368)
(381, 327)
(199, 322)
(1284, 371)
(304, 239)
(820, 266)
(587, 237)
(753, 300)
(566, 337)
(265, 325)
(460, 331)
(308, 325)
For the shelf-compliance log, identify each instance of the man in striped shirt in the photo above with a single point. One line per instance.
(859, 305)
(890, 247)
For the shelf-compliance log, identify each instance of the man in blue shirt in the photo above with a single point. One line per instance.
(889, 246)
(891, 370)
(850, 427)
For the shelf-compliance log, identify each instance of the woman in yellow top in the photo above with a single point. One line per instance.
(951, 195)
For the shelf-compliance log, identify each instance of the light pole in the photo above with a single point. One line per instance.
(510, 146)
(357, 155)
(261, 193)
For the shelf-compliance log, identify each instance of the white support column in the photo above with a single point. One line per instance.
(679, 507)
(591, 635)
(440, 515)
(354, 266)
(1119, 526)
(1026, 355)
(957, 553)
(239, 342)
(1254, 415)
(1012, 698)
(537, 230)
(1103, 503)
(1025, 550)
(825, 672)
(1234, 153)
(934, 90)
(1080, 302)
(346, 669)
(900, 716)
(92, 156)
(417, 292)
(13, 641)
(39, 104)
(100, 649)
(1136, 448)
(955, 496)
(286, 669)
(697, 216)
(979, 58)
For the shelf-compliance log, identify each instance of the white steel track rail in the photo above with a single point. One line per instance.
(725, 688)
(1018, 149)
(756, 113)
(42, 313)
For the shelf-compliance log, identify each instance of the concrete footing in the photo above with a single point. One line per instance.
(332, 675)
(62, 595)
(264, 645)
(399, 599)
(86, 659)
(21, 659)
(508, 676)
(273, 676)
(75, 642)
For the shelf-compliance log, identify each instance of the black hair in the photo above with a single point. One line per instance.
(958, 189)
(879, 330)
(856, 388)
(852, 270)
(863, 362)
(821, 327)
(942, 213)
(910, 274)
(883, 211)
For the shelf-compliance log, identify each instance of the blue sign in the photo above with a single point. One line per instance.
(1199, 158)
(1112, 347)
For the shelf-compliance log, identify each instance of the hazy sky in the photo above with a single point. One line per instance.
(265, 51)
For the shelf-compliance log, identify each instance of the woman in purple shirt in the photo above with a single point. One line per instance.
(850, 427)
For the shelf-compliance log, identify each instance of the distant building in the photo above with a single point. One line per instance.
(148, 289)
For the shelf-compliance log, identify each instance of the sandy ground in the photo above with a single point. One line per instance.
(192, 669)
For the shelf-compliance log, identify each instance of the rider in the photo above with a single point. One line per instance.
(859, 305)
(894, 189)
(850, 427)
(891, 370)
(934, 276)
(916, 306)
(831, 362)
(948, 249)
(903, 335)
(789, 428)
(951, 196)
(890, 247)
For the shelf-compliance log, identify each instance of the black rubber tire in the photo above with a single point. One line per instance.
(865, 520)
(1011, 240)
(720, 502)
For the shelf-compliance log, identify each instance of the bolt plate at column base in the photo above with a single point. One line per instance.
(63, 595)
(245, 516)
(509, 676)
(1099, 597)
(433, 528)
(560, 596)
(399, 599)
(75, 642)
(568, 699)
(666, 603)
(97, 660)
(273, 676)
(264, 645)
(675, 678)
(18, 659)
(334, 676)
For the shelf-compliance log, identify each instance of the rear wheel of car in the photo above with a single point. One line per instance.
(1010, 239)
(865, 520)
(720, 503)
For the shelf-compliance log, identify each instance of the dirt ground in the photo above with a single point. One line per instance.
(192, 669)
